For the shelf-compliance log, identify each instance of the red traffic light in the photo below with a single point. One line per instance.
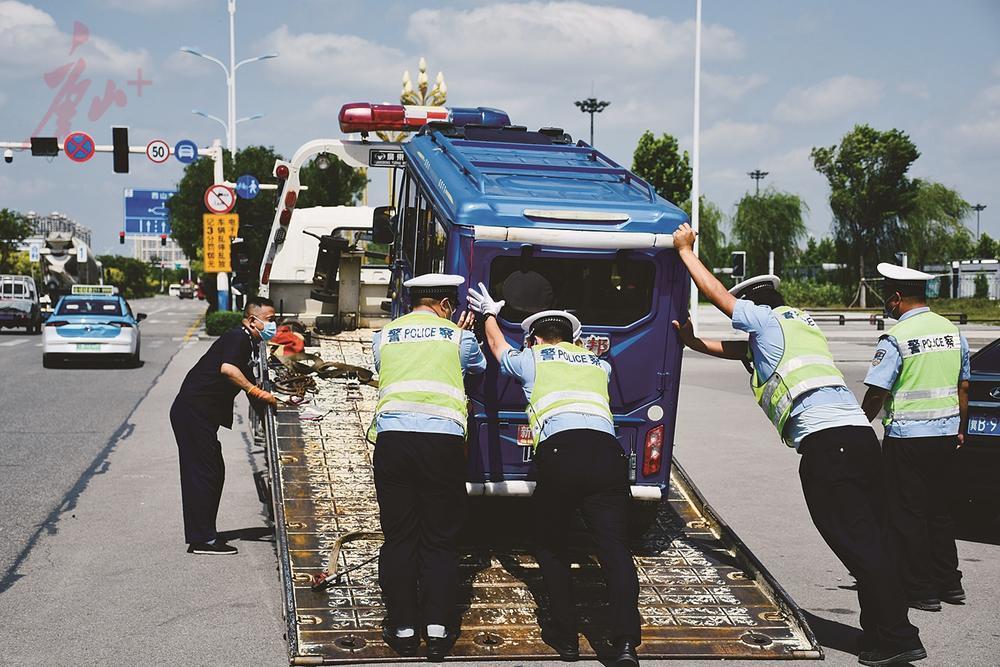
(163, 239)
(121, 237)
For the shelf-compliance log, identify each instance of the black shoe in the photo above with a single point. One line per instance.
(883, 657)
(568, 649)
(927, 604)
(953, 595)
(217, 549)
(438, 647)
(402, 645)
(624, 654)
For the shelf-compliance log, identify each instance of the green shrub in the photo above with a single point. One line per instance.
(221, 321)
(812, 293)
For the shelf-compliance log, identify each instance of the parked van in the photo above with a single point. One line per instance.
(19, 306)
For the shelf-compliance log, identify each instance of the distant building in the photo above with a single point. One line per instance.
(147, 248)
(41, 225)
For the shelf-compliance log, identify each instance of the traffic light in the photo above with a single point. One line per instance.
(241, 265)
(121, 238)
(738, 260)
(163, 239)
(119, 140)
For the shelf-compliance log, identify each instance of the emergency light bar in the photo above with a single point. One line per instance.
(365, 117)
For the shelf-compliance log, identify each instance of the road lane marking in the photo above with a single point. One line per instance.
(12, 343)
(193, 328)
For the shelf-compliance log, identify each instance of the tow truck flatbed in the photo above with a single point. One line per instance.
(703, 594)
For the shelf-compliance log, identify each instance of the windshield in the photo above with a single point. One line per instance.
(987, 360)
(611, 292)
(78, 306)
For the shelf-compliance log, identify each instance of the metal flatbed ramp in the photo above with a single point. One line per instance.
(702, 593)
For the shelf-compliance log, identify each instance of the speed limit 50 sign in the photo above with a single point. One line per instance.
(158, 151)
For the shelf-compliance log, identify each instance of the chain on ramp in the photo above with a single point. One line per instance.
(702, 592)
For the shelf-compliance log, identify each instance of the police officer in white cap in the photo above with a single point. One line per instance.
(920, 374)
(419, 461)
(795, 382)
(579, 464)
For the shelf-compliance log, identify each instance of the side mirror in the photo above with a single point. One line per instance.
(382, 225)
(139, 317)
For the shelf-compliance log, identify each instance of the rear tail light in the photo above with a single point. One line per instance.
(121, 325)
(290, 198)
(652, 457)
(56, 323)
(524, 437)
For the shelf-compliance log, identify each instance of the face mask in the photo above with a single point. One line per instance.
(269, 330)
(887, 310)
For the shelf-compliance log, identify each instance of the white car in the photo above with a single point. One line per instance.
(174, 289)
(87, 325)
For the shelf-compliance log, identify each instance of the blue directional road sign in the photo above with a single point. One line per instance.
(146, 211)
(186, 151)
(247, 186)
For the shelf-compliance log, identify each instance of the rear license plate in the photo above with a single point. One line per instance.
(88, 347)
(983, 425)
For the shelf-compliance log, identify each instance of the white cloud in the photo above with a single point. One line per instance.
(981, 134)
(918, 90)
(990, 97)
(144, 6)
(828, 99)
(730, 87)
(734, 137)
(31, 43)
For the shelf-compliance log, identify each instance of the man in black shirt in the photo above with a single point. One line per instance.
(204, 403)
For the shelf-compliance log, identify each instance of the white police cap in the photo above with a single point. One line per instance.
(902, 274)
(553, 316)
(742, 289)
(435, 280)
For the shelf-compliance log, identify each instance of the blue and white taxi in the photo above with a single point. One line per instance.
(93, 320)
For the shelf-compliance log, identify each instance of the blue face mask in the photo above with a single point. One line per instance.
(269, 330)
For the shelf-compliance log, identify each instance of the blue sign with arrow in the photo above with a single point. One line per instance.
(146, 211)
(247, 186)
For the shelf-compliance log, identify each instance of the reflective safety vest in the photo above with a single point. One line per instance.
(421, 369)
(568, 378)
(806, 364)
(927, 386)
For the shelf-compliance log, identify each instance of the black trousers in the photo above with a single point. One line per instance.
(841, 473)
(919, 472)
(586, 470)
(420, 484)
(203, 471)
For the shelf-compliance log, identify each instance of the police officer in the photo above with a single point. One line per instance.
(795, 382)
(579, 464)
(204, 403)
(419, 461)
(920, 373)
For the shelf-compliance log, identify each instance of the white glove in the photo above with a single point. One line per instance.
(481, 302)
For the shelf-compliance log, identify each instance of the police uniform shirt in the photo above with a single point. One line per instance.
(206, 389)
(520, 364)
(886, 366)
(473, 362)
(817, 410)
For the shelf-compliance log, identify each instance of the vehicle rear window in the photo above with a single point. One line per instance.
(89, 307)
(13, 289)
(610, 292)
(987, 360)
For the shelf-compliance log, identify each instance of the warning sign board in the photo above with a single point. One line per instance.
(220, 230)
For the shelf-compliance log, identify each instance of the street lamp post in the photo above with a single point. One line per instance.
(592, 105)
(978, 208)
(231, 120)
(757, 175)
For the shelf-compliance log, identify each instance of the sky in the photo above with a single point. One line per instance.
(778, 78)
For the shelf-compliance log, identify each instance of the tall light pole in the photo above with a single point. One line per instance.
(592, 105)
(978, 208)
(757, 175)
(231, 120)
(696, 157)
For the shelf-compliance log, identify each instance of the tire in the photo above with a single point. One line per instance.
(133, 360)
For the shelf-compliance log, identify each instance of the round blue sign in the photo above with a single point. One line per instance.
(247, 186)
(186, 151)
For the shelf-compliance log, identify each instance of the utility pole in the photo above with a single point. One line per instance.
(592, 105)
(757, 175)
(978, 208)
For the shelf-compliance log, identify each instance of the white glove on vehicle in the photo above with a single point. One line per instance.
(481, 302)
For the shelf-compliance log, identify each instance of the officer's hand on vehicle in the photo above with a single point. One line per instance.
(269, 398)
(466, 320)
(685, 331)
(482, 303)
(961, 440)
(684, 237)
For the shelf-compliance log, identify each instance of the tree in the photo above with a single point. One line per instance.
(933, 223)
(712, 246)
(14, 228)
(334, 186)
(770, 221)
(817, 253)
(660, 162)
(870, 194)
(986, 247)
(129, 274)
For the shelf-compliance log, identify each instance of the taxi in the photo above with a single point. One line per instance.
(91, 322)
